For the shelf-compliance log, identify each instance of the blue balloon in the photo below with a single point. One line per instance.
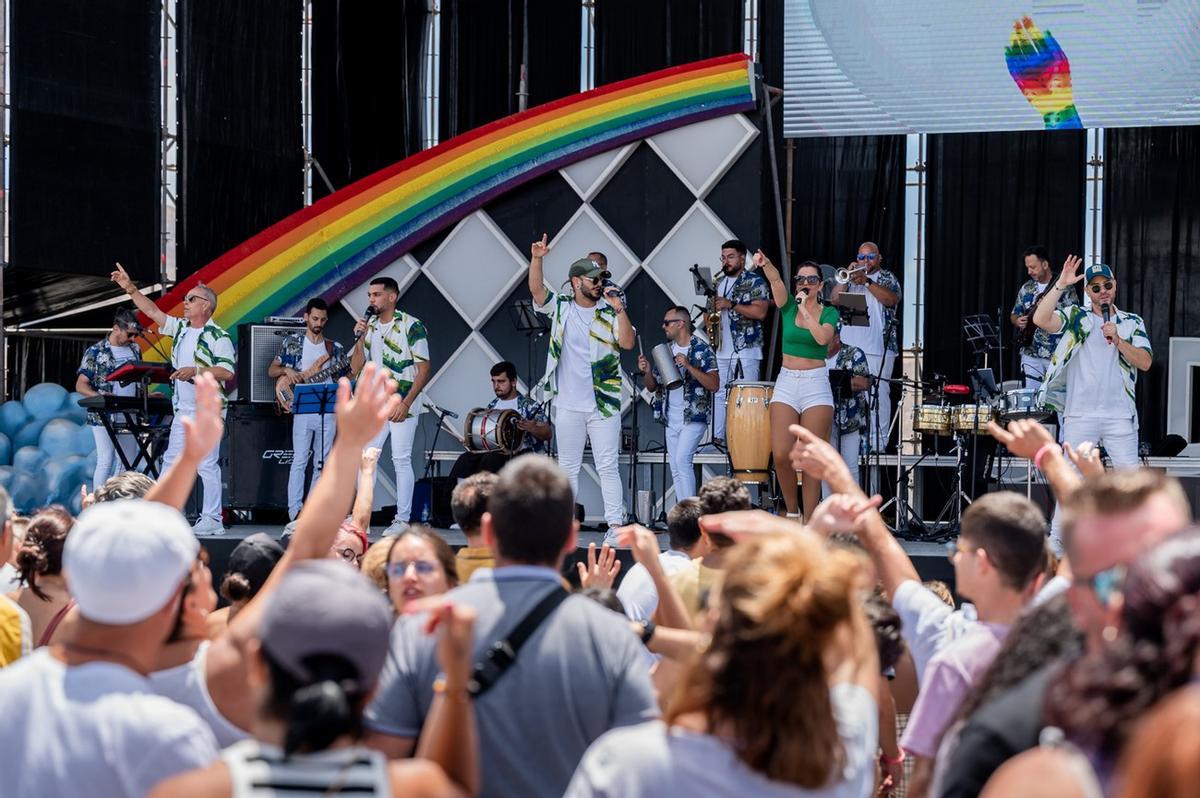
(6, 450)
(29, 434)
(29, 460)
(74, 504)
(91, 463)
(28, 492)
(64, 475)
(72, 400)
(44, 399)
(6, 476)
(85, 442)
(58, 437)
(13, 416)
(72, 411)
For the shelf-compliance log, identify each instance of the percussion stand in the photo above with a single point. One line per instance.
(441, 414)
(949, 518)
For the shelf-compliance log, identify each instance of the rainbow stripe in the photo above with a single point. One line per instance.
(1042, 72)
(341, 241)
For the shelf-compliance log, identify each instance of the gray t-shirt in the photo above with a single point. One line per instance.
(579, 675)
(650, 760)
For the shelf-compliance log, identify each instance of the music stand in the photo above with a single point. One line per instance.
(310, 398)
(853, 309)
(702, 281)
(980, 334)
(533, 324)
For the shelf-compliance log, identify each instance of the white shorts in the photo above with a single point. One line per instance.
(801, 390)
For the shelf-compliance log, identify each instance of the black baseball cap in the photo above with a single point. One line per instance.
(254, 558)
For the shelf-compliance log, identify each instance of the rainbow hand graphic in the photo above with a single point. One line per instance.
(1042, 72)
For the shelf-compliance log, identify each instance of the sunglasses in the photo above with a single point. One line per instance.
(669, 322)
(397, 570)
(1104, 584)
(1098, 287)
(194, 298)
(867, 256)
(810, 279)
(350, 555)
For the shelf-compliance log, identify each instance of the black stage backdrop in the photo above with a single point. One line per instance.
(482, 49)
(241, 164)
(989, 196)
(366, 87)
(634, 37)
(1152, 241)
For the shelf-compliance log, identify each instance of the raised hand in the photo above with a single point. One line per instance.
(455, 627)
(817, 459)
(643, 364)
(1023, 437)
(600, 571)
(539, 249)
(642, 542)
(760, 260)
(370, 456)
(1070, 271)
(204, 429)
(842, 513)
(1086, 458)
(361, 416)
(1042, 72)
(121, 278)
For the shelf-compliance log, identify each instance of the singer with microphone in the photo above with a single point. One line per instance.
(399, 344)
(743, 299)
(802, 393)
(1093, 373)
(101, 359)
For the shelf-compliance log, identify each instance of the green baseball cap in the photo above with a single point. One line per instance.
(586, 267)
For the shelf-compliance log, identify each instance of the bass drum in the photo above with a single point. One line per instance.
(748, 430)
(492, 430)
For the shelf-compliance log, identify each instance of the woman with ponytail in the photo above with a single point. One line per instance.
(44, 593)
(322, 643)
(782, 702)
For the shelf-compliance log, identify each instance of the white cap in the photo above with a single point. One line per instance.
(123, 560)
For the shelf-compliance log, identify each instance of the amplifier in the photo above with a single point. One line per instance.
(260, 456)
(258, 344)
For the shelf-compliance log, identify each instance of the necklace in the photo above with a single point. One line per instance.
(105, 653)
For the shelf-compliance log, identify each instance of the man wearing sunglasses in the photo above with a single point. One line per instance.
(743, 298)
(198, 346)
(685, 409)
(1093, 374)
(100, 360)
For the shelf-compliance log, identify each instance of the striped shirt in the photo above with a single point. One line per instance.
(258, 769)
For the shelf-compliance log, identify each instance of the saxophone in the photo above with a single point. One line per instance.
(712, 322)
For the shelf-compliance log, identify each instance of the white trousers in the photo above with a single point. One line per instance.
(682, 442)
(308, 436)
(402, 433)
(1034, 369)
(574, 429)
(1118, 436)
(108, 462)
(881, 420)
(847, 443)
(751, 372)
(209, 471)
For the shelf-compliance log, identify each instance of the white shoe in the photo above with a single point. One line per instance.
(208, 526)
(610, 538)
(290, 527)
(396, 528)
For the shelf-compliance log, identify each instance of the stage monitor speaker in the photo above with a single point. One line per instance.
(259, 457)
(258, 344)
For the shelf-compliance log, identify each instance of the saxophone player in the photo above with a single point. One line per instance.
(743, 298)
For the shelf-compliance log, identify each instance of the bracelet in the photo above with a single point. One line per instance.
(1042, 452)
(887, 760)
(440, 687)
(648, 629)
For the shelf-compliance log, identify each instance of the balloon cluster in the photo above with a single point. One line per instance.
(46, 448)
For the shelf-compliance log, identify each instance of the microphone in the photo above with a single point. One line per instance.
(367, 314)
(1107, 311)
(442, 410)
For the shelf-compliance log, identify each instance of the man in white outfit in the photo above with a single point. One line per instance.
(198, 346)
(100, 360)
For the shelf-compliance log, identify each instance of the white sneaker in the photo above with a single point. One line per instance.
(610, 538)
(290, 527)
(396, 528)
(208, 526)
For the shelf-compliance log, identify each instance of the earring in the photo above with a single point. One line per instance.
(1109, 634)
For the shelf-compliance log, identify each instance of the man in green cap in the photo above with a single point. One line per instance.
(589, 327)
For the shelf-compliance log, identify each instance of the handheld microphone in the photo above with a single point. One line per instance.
(1107, 311)
(367, 314)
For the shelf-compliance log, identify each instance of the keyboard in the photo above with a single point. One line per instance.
(106, 403)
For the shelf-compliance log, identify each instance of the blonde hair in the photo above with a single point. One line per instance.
(374, 563)
(781, 603)
(1116, 492)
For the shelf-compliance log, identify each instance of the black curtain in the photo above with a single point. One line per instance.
(1152, 241)
(241, 160)
(366, 87)
(634, 37)
(989, 196)
(482, 50)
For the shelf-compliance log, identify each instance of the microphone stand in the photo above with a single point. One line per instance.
(441, 413)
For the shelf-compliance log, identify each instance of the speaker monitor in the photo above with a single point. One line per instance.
(259, 456)
(258, 344)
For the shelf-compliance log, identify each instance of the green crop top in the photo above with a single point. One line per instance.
(797, 341)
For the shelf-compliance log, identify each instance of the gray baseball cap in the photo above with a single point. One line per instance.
(327, 607)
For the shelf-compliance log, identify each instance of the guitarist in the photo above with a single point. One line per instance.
(1036, 345)
(300, 356)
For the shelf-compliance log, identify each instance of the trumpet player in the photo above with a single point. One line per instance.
(880, 341)
(685, 409)
(743, 299)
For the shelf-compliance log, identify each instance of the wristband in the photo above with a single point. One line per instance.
(1042, 452)
(887, 760)
(648, 629)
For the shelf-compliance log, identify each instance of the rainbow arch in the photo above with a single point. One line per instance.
(339, 242)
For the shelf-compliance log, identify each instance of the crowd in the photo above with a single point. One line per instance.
(756, 656)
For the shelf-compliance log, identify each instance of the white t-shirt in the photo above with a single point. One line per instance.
(675, 398)
(574, 372)
(1095, 387)
(121, 354)
(725, 289)
(650, 760)
(95, 729)
(506, 404)
(868, 339)
(185, 392)
(637, 593)
(311, 353)
(376, 342)
(187, 686)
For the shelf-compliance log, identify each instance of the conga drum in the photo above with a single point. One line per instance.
(492, 430)
(748, 430)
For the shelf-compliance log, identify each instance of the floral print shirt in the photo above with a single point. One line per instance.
(1043, 342)
(697, 400)
(98, 362)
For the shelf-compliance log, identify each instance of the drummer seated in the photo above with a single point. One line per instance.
(534, 424)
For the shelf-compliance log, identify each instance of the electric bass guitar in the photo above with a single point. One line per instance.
(322, 369)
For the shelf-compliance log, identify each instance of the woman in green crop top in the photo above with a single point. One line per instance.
(802, 393)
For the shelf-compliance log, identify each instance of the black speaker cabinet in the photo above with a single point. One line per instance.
(259, 456)
(258, 344)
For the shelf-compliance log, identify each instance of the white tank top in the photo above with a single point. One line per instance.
(259, 770)
(186, 684)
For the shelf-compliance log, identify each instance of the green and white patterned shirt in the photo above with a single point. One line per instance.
(214, 347)
(405, 344)
(603, 348)
(1077, 324)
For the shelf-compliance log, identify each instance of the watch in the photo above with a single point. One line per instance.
(648, 629)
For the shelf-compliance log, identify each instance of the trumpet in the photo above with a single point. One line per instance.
(843, 275)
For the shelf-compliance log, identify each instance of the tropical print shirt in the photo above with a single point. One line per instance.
(214, 348)
(850, 413)
(98, 362)
(603, 347)
(530, 411)
(291, 351)
(1077, 324)
(747, 332)
(697, 400)
(1043, 342)
(405, 344)
(891, 336)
